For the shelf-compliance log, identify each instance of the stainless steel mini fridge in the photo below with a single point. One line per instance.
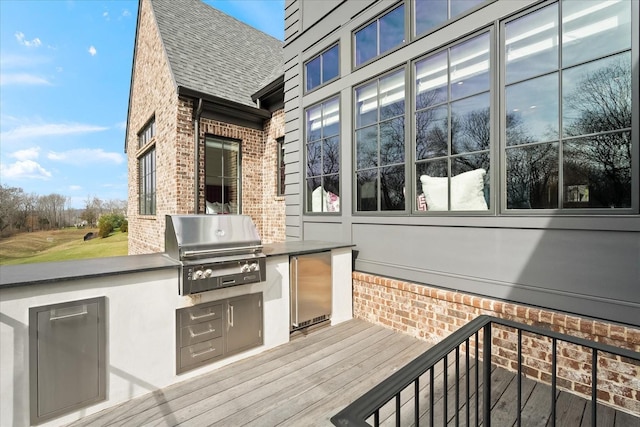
(310, 280)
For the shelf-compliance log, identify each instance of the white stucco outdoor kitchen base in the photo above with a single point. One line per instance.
(140, 311)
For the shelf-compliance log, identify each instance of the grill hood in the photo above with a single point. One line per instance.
(199, 236)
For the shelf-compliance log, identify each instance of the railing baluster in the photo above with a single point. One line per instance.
(431, 403)
(466, 376)
(457, 386)
(594, 386)
(376, 418)
(416, 408)
(486, 364)
(445, 401)
(398, 410)
(519, 413)
(554, 345)
(477, 354)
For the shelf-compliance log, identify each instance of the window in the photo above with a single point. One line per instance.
(323, 68)
(322, 152)
(280, 167)
(147, 133)
(568, 103)
(453, 127)
(222, 176)
(379, 140)
(430, 14)
(380, 36)
(147, 183)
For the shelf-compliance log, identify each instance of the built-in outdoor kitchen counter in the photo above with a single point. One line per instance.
(127, 308)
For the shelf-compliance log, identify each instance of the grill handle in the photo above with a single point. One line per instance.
(193, 254)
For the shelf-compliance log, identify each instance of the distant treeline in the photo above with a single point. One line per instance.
(20, 211)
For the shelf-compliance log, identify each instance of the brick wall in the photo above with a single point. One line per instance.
(431, 314)
(152, 94)
(273, 205)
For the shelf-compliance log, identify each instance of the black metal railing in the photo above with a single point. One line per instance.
(401, 400)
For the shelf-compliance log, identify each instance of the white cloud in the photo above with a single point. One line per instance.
(28, 154)
(22, 79)
(51, 129)
(105, 14)
(93, 51)
(75, 188)
(85, 156)
(122, 125)
(29, 43)
(126, 13)
(24, 169)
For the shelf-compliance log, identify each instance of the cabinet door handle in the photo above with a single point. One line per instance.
(208, 331)
(58, 314)
(200, 353)
(231, 316)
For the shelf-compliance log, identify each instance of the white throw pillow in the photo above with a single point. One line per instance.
(467, 191)
(317, 199)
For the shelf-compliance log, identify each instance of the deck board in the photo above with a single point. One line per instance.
(310, 379)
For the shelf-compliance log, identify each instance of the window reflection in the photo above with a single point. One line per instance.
(433, 13)
(592, 88)
(322, 69)
(380, 36)
(322, 153)
(453, 116)
(379, 143)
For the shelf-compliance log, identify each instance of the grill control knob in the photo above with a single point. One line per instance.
(244, 268)
(197, 274)
(208, 272)
(253, 266)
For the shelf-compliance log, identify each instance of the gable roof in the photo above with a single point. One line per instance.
(213, 53)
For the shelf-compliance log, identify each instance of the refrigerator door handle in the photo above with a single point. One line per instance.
(294, 291)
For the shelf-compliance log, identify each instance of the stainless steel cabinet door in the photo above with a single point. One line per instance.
(244, 323)
(67, 357)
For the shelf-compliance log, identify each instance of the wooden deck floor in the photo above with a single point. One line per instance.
(307, 381)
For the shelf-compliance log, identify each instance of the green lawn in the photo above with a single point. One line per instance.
(59, 245)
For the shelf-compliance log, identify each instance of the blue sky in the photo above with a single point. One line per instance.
(65, 70)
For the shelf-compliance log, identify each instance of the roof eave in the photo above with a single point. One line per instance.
(271, 88)
(225, 103)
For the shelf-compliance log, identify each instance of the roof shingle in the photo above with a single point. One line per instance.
(215, 54)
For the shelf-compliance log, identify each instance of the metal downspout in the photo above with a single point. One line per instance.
(196, 167)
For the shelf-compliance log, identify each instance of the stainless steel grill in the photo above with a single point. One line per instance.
(216, 251)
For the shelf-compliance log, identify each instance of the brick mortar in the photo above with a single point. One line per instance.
(431, 314)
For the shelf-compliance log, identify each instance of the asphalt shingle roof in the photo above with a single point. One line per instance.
(214, 53)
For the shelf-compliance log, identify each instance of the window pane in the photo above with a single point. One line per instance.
(458, 7)
(312, 70)
(434, 184)
(315, 195)
(597, 171)
(331, 155)
(330, 118)
(592, 29)
(230, 159)
(392, 29)
(531, 44)
(392, 95)
(367, 104)
(331, 184)
(430, 14)
(366, 43)
(392, 141)
(392, 188)
(470, 182)
(471, 124)
(431, 81)
(532, 110)
(330, 64)
(597, 96)
(366, 193)
(314, 159)
(432, 133)
(314, 123)
(532, 177)
(469, 69)
(367, 147)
